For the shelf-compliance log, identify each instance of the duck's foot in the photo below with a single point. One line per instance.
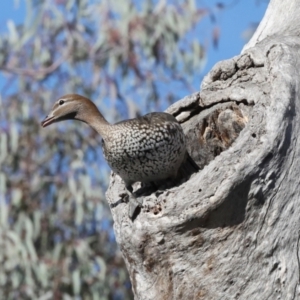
(134, 207)
(124, 198)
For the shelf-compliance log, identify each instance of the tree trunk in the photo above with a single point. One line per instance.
(232, 230)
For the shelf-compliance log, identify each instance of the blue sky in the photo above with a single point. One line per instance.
(233, 21)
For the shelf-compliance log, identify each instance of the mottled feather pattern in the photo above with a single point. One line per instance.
(149, 148)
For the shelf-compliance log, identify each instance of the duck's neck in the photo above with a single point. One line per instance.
(95, 119)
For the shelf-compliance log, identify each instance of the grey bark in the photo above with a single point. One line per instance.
(232, 230)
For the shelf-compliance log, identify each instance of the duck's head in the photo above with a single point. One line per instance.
(71, 107)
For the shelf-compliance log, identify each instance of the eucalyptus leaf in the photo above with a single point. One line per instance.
(4, 213)
(102, 267)
(15, 280)
(13, 34)
(2, 185)
(57, 252)
(79, 211)
(3, 279)
(14, 137)
(3, 148)
(72, 185)
(37, 216)
(76, 282)
(16, 197)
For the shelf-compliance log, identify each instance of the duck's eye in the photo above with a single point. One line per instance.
(61, 102)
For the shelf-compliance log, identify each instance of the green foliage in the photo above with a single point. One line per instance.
(55, 227)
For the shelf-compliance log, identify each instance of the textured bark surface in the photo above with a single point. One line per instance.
(232, 230)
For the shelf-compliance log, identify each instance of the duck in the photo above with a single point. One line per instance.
(146, 149)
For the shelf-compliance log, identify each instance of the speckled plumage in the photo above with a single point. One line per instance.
(149, 148)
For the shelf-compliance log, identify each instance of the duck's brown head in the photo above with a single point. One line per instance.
(69, 107)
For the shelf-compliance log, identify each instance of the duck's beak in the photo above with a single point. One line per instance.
(48, 120)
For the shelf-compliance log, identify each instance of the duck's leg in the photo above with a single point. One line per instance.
(133, 203)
